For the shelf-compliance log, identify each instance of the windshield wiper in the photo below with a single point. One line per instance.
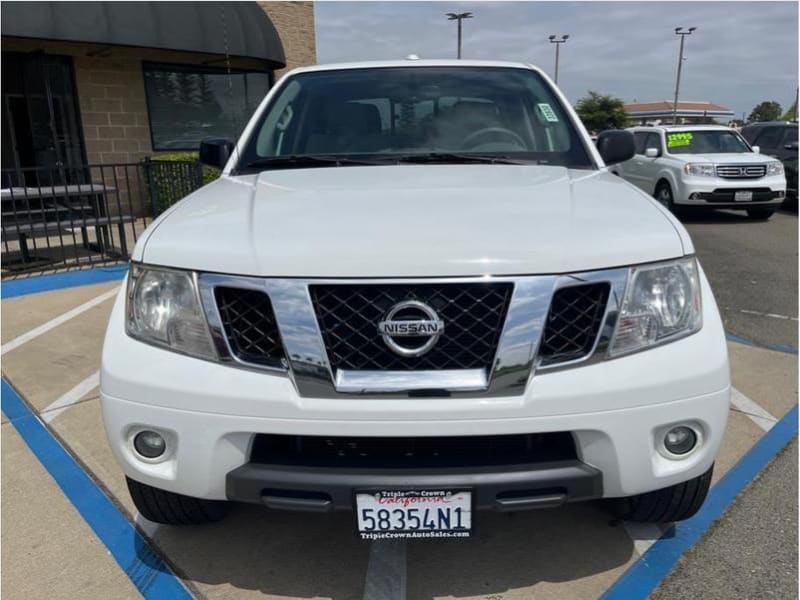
(461, 158)
(308, 160)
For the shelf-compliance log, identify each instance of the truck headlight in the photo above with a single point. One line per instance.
(661, 304)
(699, 169)
(774, 168)
(163, 308)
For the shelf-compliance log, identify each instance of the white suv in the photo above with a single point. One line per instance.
(415, 292)
(704, 166)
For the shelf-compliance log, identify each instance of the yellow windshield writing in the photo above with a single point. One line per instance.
(674, 140)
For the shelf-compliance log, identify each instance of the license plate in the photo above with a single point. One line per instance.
(742, 196)
(414, 514)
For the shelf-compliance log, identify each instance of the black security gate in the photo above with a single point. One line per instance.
(75, 216)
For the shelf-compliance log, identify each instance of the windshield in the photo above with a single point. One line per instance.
(706, 142)
(419, 114)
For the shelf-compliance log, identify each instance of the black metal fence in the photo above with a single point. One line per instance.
(85, 215)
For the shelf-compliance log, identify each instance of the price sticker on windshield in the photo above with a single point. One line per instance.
(547, 112)
(676, 140)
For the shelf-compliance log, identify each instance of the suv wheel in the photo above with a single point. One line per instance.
(760, 214)
(161, 506)
(664, 196)
(674, 503)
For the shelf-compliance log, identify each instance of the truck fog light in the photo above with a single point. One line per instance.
(149, 444)
(680, 440)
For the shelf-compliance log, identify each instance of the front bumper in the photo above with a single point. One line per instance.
(716, 192)
(615, 410)
(513, 487)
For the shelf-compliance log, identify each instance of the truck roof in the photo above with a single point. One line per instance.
(415, 62)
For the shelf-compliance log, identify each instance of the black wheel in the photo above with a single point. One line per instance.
(664, 196)
(675, 503)
(760, 214)
(169, 508)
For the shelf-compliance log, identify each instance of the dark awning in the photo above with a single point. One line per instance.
(184, 26)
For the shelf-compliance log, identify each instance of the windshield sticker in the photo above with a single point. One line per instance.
(547, 112)
(676, 140)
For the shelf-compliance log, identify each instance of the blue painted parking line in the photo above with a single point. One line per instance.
(58, 281)
(649, 570)
(146, 570)
(731, 337)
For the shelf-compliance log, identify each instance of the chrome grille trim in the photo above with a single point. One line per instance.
(514, 363)
(753, 171)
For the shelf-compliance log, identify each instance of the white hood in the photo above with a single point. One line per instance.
(414, 221)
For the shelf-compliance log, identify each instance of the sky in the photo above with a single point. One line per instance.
(742, 53)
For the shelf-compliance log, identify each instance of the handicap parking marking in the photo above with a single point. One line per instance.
(146, 569)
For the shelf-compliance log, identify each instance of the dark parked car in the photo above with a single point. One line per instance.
(778, 139)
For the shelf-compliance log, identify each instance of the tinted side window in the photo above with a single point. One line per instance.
(653, 141)
(751, 133)
(639, 138)
(789, 135)
(769, 138)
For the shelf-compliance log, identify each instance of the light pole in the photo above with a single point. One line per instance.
(459, 17)
(555, 40)
(679, 31)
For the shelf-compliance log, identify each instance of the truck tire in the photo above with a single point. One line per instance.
(161, 506)
(674, 503)
(760, 214)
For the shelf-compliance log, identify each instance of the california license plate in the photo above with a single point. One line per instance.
(390, 514)
(742, 196)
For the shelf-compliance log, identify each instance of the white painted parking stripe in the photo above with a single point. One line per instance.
(59, 320)
(770, 315)
(758, 415)
(71, 397)
(386, 571)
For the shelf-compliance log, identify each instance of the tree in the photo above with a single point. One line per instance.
(766, 111)
(600, 111)
(791, 114)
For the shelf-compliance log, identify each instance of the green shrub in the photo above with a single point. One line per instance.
(209, 173)
(174, 175)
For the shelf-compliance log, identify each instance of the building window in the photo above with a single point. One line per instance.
(187, 103)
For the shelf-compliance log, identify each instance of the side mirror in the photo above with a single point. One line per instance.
(215, 152)
(757, 149)
(615, 146)
(652, 153)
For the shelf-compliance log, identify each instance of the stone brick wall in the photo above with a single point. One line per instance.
(295, 24)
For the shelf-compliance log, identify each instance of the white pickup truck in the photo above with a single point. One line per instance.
(416, 292)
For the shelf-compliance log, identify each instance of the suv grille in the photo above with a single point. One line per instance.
(473, 315)
(573, 322)
(250, 326)
(411, 452)
(741, 171)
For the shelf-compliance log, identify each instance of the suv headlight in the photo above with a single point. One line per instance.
(661, 304)
(774, 168)
(699, 169)
(163, 308)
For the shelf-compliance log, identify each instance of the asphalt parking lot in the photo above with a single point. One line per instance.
(55, 546)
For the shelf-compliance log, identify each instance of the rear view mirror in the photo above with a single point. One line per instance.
(652, 153)
(215, 152)
(757, 149)
(615, 146)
